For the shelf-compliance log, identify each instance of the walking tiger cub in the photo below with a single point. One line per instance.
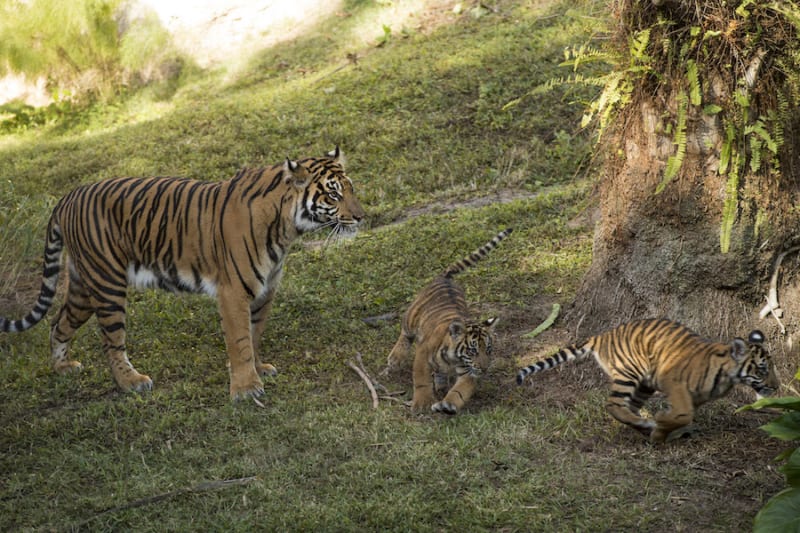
(448, 343)
(226, 239)
(646, 356)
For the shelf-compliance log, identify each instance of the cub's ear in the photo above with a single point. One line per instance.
(337, 156)
(295, 173)
(490, 323)
(456, 329)
(756, 337)
(738, 350)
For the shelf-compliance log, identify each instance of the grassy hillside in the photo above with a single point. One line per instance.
(440, 167)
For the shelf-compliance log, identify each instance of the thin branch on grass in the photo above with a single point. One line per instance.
(200, 487)
(772, 307)
(366, 379)
(375, 321)
(372, 385)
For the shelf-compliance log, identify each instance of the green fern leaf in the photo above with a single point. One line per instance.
(675, 161)
(694, 83)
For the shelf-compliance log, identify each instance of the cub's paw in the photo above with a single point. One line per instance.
(67, 366)
(135, 382)
(444, 407)
(421, 403)
(266, 369)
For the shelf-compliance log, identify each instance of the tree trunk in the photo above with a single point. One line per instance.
(659, 254)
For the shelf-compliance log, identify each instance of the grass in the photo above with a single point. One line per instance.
(421, 120)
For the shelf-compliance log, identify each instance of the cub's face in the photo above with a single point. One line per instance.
(328, 198)
(757, 369)
(471, 346)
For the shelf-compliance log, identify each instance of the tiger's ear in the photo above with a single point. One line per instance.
(295, 173)
(738, 350)
(456, 329)
(337, 156)
(490, 323)
(756, 337)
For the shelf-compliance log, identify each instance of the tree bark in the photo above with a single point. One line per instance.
(658, 255)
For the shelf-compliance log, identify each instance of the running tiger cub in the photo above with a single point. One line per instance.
(447, 342)
(646, 356)
(225, 239)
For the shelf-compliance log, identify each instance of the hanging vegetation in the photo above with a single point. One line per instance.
(737, 64)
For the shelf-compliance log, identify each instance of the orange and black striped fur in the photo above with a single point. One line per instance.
(646, 356)
(226, 239)
(447, 342)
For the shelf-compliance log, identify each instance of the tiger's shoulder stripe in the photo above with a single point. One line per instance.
(470, 260)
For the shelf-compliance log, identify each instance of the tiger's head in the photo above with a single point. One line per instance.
(471, 345)
(327, 199)
(755, 364)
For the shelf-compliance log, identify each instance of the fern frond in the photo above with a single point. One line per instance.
(694, 83)
(755, 153)
(730, 206)
(638, 47)
(727, 148)
(675, 161)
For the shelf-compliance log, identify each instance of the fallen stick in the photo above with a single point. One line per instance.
(200, 487)
(772, 306)
(375, 384)
(368, 382)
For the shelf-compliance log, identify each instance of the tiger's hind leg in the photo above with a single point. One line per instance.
(624, 402)
(77, 309)
(259, 311)
(399, 352)
(109, 307)
(673, 423)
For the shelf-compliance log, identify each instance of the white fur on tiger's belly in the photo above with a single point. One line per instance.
(147, 278)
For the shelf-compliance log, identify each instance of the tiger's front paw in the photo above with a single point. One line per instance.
(444, 407)
(422, 402)
(244, 388)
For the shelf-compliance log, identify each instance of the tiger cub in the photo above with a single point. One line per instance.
(226, 239)
(448, 343)
(646, 356)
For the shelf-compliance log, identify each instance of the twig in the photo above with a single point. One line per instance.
(375, 321)
(200, 487)
(375, 384)
(368, 382)
(391, 398)
(772, 306)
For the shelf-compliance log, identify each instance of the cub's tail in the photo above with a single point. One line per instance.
(564, 355)
(477, 255)
(52, 266)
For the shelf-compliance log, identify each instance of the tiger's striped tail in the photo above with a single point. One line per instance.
(52, 267)
(469, 261)
(563, 356)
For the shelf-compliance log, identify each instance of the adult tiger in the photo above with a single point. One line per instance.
(447, 341)
(225, 239)
(646, 356)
